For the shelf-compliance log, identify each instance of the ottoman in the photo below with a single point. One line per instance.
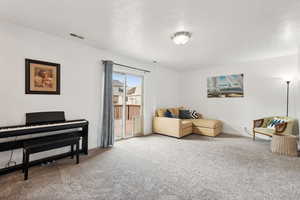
(284, 145)
(208, 127)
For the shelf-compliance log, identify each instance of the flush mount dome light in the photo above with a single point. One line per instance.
(181, 37)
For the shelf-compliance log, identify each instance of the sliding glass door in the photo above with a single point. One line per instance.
(128, 105)
(118, 100)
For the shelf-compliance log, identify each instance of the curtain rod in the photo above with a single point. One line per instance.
(143, 70)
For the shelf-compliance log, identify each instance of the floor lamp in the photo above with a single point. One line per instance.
(287, 97)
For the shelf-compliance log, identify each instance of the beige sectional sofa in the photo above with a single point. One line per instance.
(181, 127)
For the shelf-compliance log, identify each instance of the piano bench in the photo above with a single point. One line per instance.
(46, 145)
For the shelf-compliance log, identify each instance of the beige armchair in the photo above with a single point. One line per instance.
(260, 126)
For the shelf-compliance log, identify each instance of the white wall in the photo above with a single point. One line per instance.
(265, 92)
(81, 79)
(167, 87)
(298, 83)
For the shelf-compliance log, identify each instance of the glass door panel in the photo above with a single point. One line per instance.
(118, 100)
(134, 104)
(128, 104)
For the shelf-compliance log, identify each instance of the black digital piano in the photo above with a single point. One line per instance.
(51, 124)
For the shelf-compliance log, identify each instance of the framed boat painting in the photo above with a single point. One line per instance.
(42, 77)
(225, 86)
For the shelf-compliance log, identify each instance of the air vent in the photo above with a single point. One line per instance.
(77, 36)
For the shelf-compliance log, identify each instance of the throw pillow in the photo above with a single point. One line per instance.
(168, 114)
(184, 114)
(161, 112)
(272, 123)
(175, 112)
(195, 115)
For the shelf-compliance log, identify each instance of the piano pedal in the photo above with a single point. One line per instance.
(10, 163)
(51, 162)
(48, 163)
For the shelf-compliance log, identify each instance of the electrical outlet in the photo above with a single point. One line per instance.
(246, 130)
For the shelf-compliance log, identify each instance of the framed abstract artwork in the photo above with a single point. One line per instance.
(225, 86)
(42, 77)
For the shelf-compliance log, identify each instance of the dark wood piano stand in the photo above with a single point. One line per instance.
(46, 145)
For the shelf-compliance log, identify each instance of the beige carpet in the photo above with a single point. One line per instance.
(163, 168)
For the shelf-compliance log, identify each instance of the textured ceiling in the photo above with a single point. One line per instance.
(223, 31)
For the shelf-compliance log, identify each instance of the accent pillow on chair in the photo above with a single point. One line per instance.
(272, 123)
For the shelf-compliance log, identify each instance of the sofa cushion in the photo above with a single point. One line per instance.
(186, 124)
(268, 131)
(207, 123)
(186, 131)
(161, 112)
(175, 112)
(207, 131)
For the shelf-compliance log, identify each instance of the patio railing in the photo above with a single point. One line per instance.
(130, 110)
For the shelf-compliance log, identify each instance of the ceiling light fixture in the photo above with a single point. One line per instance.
(181, 37)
